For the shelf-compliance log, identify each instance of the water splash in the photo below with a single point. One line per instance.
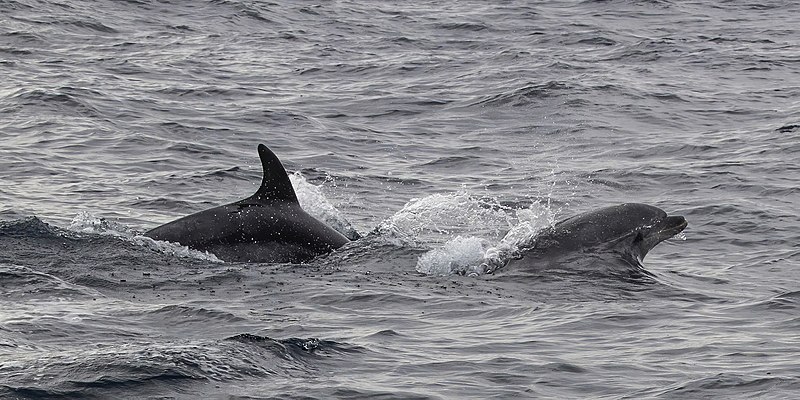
(174, 249)
(479, 246)
(88, 223)
(315, 203)
(475, 256)
(433, 218)
(460, 255)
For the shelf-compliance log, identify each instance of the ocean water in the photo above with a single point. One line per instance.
(442, 132)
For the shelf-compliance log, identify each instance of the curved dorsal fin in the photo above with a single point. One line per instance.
(275, 185)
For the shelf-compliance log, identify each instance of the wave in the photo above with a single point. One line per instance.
(29, 227)
(19, 282)
(527, 94)
(128, 368)
(732, 385)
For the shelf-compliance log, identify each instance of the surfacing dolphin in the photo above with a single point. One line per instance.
(269, 226)
(630, 230)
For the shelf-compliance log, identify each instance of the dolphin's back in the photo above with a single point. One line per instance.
(269, 226)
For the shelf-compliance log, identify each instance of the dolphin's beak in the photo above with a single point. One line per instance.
(672, 226)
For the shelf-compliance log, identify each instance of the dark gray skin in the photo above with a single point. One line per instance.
(630, 229)
(269, 226)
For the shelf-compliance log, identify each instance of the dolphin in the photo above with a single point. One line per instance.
(630, 230)
(269, 226)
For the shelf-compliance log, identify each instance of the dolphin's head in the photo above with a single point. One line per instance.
(649, 226)
(631, 228)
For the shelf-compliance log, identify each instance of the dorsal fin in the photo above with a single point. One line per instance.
(276, 185)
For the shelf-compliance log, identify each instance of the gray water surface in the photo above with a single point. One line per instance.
(438, 127)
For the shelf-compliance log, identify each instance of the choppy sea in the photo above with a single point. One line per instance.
(435, 129)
